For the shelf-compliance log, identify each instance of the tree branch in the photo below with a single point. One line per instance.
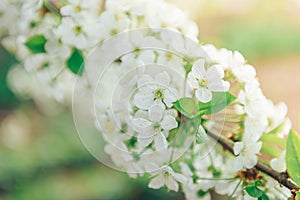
(282, 178)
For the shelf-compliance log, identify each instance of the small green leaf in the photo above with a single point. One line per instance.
(188, 107)
(219, 101)
(131, 142)
(293, 156)
(253, 191)
(263, 197)
(36, 44)
(258, 183)
(201, 193)
(76, 62)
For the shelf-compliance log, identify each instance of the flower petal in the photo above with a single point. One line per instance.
(192, 81)
(143, 101)
(198, 69)
(220, 86)
(163, 79)
(171, 112)
(168, 123)
(238, 163)
(238, 147)
(185, 169)
(147, 56)
(160, 142)
(141, 114)
(144, 80)
(214, 73)
(255, 147)
(156, 112)
(179, 177)
(152, 168)
(170, 96)
(157, 182)
(141, 125)
(144, 141)
(172, 184)
(250, 161)
(204, 95)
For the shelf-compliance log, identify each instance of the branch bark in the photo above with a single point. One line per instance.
(282, 178)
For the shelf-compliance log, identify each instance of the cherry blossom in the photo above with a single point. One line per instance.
(207, 81)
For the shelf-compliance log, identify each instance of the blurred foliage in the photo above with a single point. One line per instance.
(7, 98)
(261, 40)
(53, 164)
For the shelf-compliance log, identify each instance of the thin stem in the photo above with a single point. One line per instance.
(235, 189)
(280, 177)
(172, 153)
(217, 179)
(210, 157)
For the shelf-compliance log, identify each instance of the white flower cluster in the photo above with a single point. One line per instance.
(160, 96)
(76, 26)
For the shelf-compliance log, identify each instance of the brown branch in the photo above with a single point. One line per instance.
(282, 178)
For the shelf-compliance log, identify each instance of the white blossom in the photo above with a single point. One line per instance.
(155, 90)
(79, 9)
(154, 125)
(207, 81)
(246, 154)
(164, 176)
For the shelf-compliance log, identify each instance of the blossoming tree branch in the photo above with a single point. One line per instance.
(188, 116)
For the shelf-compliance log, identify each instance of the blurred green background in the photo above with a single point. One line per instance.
(42, 156)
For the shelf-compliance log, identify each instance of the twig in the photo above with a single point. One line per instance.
(282, 178)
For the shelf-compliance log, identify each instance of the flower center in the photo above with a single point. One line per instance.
(158, 94)
(203, 83)
(156, 128)
(113, 32)
(167, 175)
(169, 56)
(45, 65)
(77, 29)
(78, 8)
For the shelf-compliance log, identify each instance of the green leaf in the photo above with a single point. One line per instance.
(219, 101)
(253, 191)
(258, 183)
(188, 107)
(293, 156)
(270, 140)
(263, 197)
(76, 62)
(201, 193)
(36, 44)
